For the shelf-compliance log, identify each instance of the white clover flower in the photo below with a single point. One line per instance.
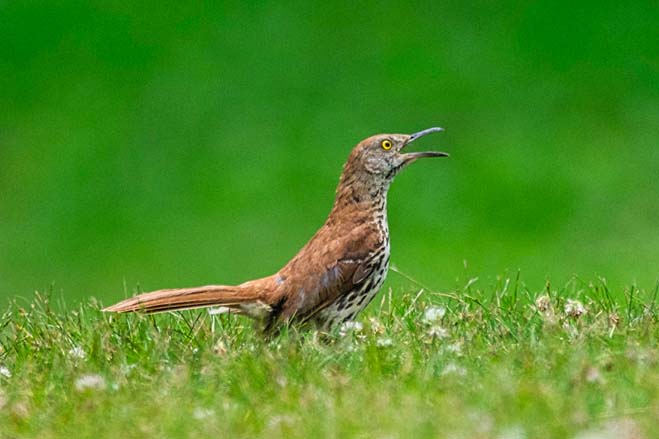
(437, 331)
(454, 369)
(454, 348)
(201, 413)
(613, 429)
(5, 372)
(434, 314)
(593, 375)
(350, 326)
(279, 420)
(78, 353)
(376, 326)
(543, 303)
(384, 342)
(126, 369)
(512, 432)
(220, 348)
(546, 310)
(90, 382)
(281, 381)
(574, 308)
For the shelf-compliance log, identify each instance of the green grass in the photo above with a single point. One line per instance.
(480, 361)
(202, 142)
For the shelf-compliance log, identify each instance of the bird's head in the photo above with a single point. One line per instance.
(382, 156)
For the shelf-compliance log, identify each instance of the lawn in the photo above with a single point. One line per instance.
(196, 143)
(486, 359)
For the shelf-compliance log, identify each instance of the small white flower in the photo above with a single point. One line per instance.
(434, 314)
(512, 432)
(201, 413)
(613, 429)
(126, 369)
(90, 382)
(281, 381)
(279, 420)
(437, 332)
(574, 308)
(384, 342)
(376, 326)
(5, 372)
(220, 348)
(454, 348)
(454, 369)
(543, 303)
(593, 375)
(350, 327)
(78, 353)
(219, 310)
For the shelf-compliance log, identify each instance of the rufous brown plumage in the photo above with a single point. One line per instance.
(338, 272)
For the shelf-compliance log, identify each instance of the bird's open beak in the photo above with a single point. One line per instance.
(412, 156)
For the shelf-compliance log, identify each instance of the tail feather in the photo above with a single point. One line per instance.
(187, 298)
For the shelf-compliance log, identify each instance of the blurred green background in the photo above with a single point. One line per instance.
(200, 142)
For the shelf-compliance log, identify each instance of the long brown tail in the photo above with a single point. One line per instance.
(233, 297)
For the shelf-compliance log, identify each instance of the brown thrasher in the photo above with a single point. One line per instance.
(337, 273)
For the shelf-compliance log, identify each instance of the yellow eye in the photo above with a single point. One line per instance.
(386, 144)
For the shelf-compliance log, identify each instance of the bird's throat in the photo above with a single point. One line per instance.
(356, 198)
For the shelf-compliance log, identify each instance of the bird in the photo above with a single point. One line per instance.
(337, 272)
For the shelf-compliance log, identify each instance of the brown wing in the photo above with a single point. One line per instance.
(325, 269)
(314, 296)
(361, 272)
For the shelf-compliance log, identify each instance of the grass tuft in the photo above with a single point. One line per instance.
(492, 361)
